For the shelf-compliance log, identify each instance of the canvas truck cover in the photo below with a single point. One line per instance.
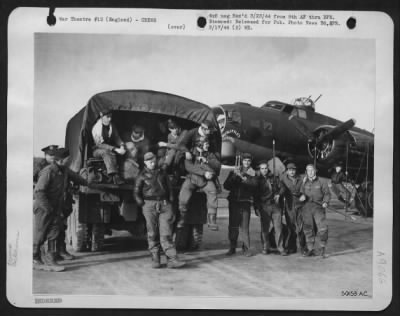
(79, 128)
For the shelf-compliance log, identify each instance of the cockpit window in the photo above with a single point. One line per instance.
(299, 113)
(302, 114)
(275, 106)
(234, 117)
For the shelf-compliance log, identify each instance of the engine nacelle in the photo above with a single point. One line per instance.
(326, 151)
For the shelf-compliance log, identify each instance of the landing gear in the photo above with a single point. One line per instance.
(365, 199)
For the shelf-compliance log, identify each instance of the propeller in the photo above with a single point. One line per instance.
(338, 130)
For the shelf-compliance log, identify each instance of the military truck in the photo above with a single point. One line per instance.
(110, 206)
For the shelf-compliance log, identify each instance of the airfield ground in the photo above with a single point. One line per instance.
(123, 267)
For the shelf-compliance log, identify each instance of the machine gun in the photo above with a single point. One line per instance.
(238, 170)
(275, 181)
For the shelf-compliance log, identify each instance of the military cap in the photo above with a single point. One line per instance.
(311, 165)
(61, 153)
(247, 156)
(291, 165)
(338, 164)
(172, 124)
(106, 112)
(137, 129)
(263, 162)
(49, 150)
(149, 156)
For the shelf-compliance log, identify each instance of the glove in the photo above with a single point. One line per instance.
(120, 151)
(188, 155)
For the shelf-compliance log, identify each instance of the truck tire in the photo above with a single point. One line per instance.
(77, 233)
(97, 240)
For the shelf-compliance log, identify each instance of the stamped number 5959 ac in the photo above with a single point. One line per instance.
(354, 293)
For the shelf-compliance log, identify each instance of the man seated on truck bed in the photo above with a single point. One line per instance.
(174, 138)
(107, 145)
(137, 143)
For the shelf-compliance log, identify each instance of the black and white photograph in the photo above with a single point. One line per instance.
(221, 163)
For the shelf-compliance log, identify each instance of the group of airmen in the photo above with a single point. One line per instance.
(293, 206)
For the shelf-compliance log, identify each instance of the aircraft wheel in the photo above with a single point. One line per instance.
(364, 201)
(370, 203)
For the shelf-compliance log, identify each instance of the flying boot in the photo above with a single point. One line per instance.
(175, 263)
(37, 262)
(62, 253)
(49, 258)
(212, 221)
(156, 260)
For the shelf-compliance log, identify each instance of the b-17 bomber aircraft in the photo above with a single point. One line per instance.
(296, 132)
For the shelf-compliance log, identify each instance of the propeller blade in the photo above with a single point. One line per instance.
(337, 131)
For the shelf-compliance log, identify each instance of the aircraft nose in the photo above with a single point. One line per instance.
(228, 151)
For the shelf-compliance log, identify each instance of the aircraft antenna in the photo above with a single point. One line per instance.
(273, 164)
(366, 183)
(315, 101)
(315, 155)
(347, 162)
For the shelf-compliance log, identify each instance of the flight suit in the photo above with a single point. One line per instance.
(153, 192)
(240, 199)
(49, 205)
(317, 193)
(196, 180)
(67, 210)
(172, 149)
(38, 165)
(269, 211)
(290, 189)
(193, 137)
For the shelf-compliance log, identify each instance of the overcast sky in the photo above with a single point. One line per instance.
(70, 68)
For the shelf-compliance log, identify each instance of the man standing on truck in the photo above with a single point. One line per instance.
(174, 138)
(108, 144)
(48, 210)
(154, 194)
(202, 171)
(192, 137)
